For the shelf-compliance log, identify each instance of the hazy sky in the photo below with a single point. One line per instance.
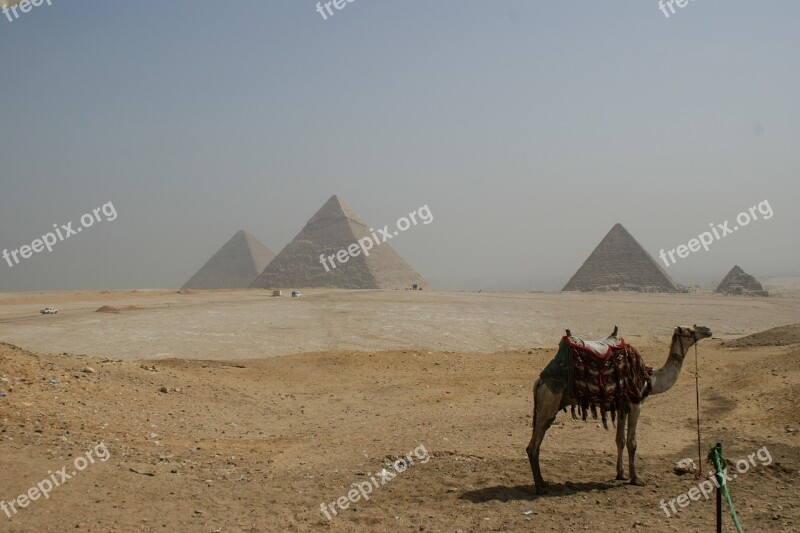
(528, 127)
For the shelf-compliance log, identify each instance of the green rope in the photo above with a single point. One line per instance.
(716, 459)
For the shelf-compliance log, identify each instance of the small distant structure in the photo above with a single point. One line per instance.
(277, 293)
(740, 282)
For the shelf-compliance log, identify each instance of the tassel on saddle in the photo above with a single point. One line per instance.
(583, 412)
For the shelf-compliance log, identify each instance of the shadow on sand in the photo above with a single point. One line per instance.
(528, 493)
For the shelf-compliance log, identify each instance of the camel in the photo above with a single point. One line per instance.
(547, 403)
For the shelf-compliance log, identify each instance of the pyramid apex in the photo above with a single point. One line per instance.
(335, 208)
(618, 227)
(244, 234)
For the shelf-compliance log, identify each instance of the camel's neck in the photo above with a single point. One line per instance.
(666, 376)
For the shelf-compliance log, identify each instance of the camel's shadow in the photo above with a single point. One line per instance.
(503, 493)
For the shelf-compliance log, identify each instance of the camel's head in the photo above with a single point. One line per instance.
(693, 332)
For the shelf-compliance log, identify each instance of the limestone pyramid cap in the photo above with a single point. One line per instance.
(335, 209)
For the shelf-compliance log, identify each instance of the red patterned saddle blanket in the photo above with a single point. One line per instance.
(605, 381)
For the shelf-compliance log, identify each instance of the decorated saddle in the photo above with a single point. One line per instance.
(603, 374)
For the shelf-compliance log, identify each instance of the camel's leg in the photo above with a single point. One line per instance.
(633, 420)
(621, 418)
(545, 408)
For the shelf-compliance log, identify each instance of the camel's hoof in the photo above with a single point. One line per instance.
(621, 477)
(637, 483)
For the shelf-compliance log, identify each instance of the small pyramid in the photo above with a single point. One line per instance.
(619, 263)
(333, 228)
(234, 266)
(740, 282)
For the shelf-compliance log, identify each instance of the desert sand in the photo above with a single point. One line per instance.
(236, 411)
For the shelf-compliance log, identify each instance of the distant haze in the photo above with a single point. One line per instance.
(528, 128)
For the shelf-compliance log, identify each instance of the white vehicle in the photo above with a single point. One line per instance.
(49, 311)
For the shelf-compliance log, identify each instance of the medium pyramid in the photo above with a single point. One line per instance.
(619, 263)
(333, 228)
(234, 266)
(740, 282)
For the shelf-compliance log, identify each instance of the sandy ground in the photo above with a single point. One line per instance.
(243, 444)
(252, 324)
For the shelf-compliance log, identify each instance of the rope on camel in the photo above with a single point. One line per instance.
(699, 473)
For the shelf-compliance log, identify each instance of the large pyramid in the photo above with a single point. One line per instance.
(333, 228)
(619, 263)
(234, 266)
(740, 282)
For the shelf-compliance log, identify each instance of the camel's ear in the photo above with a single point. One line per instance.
(679, 330)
